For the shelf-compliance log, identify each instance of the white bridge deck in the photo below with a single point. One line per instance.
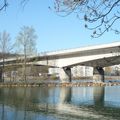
(97, 55)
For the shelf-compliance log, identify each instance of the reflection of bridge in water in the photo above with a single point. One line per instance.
(77, 101)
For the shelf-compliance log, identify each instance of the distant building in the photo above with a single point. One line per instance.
(85, 71)
(82, 71)
(77, 71)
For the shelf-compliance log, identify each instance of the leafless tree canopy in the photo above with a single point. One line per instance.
(3, 4)
(26, 44)
(5, 47)
(99, 15)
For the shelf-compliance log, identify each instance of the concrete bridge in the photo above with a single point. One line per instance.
(97, 56)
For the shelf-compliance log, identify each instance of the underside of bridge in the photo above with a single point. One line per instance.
(97, 64)
(66, 75)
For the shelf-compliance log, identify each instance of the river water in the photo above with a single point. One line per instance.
(60, 103)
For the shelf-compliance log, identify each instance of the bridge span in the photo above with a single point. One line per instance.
(97, 56)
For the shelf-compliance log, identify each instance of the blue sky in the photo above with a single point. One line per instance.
(54, 32)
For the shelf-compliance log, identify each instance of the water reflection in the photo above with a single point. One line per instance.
(65, 95)
(98, 93)
(56, 103)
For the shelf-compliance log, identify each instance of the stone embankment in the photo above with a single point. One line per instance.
(77, 84)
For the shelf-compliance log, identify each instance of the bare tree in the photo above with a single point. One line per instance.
(5, 47)
(26, 44)
(99, 15)
(3, 4)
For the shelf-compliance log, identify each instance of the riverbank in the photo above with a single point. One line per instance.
(65, 84)
(36, 82)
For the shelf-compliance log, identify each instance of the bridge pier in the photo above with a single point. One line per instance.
(65, 74)
(98, 74)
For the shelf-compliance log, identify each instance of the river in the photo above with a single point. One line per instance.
(60, 103)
